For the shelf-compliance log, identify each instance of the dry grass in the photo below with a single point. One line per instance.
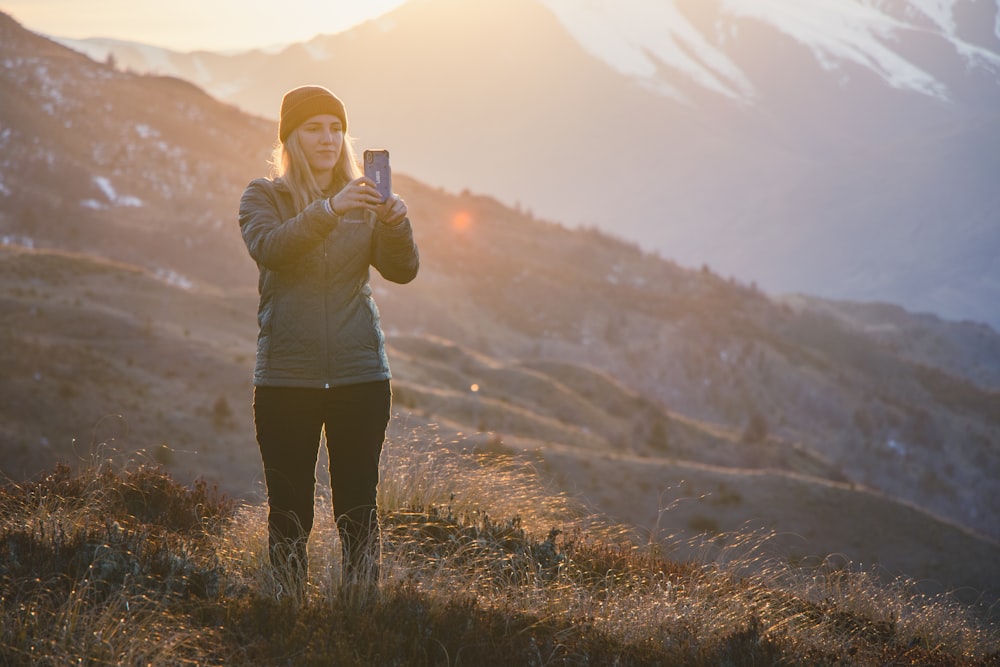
(481, 565)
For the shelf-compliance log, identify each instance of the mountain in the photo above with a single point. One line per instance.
(847, 150)
(655, 42)
(655, 393)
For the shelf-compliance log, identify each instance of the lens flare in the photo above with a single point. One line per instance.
(461, 221)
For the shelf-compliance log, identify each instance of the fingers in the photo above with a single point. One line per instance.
(392, 211)
(366, 192)
(396, 206)
(359, 193)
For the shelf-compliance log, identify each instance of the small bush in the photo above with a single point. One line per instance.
(703, 524)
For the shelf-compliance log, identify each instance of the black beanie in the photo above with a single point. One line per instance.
(302, 103)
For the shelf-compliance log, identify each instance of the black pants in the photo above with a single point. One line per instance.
(289, 422)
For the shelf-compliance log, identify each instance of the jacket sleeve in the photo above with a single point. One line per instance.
(394, 253)
(274, 242)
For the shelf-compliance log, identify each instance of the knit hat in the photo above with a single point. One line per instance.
(302, 103)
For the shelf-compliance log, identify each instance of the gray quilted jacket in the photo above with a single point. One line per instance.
(319, 326)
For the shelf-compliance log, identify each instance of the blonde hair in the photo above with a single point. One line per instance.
(288, 162)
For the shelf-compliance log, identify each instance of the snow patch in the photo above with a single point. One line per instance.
(15, 240)
(637, 38)
(940, 12)
(976, 55)
(49, 87)
(105, 185)
(146, 132)
(838, 31)
(112, 196)
(173, 278)
(896, 446)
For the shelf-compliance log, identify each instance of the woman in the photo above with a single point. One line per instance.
(314, 228)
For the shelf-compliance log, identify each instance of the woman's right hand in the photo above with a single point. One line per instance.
(359, 193)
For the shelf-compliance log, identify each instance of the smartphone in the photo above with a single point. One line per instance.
(377, 169)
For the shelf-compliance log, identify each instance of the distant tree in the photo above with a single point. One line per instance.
(110, 61)
(756, 429)
(658, 438)
(703, 524)
(163, 454)
(221, 412)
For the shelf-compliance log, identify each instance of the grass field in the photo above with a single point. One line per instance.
(118, 564)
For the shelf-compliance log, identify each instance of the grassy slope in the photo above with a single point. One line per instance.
(104, 356)
(124, 566)
(803, 517)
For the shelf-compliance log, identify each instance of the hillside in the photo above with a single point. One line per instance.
(102, 357)
(130, 324)
(145, 166)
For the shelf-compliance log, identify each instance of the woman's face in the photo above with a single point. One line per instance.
(322, 138)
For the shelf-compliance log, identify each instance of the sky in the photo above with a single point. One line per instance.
(190, 25)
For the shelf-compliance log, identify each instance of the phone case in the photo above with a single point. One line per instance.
(377, 169)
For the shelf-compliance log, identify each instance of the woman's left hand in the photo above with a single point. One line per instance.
(392, 211)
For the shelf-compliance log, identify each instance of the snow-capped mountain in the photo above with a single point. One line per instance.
(845, 148)
(641, 39)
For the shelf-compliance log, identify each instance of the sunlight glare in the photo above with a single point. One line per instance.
(187, 25)
(461, 221)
